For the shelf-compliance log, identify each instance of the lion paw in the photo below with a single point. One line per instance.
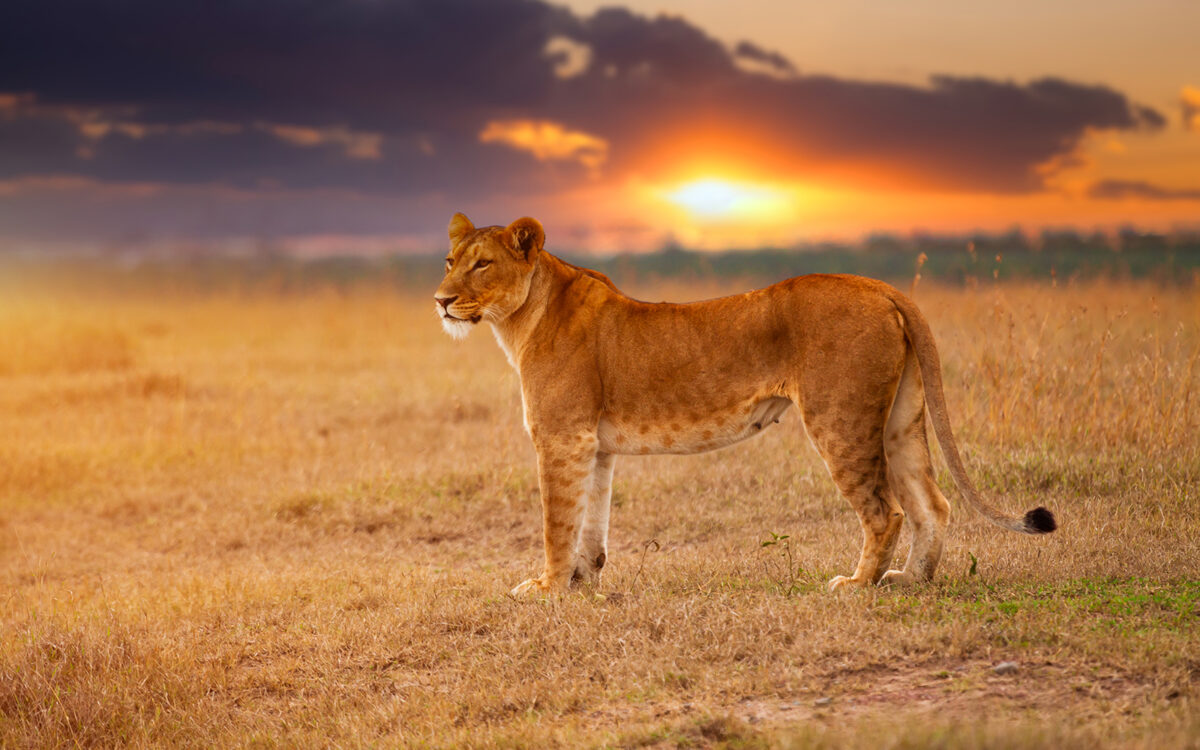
(845, 582)
(839, 582)
(896, 578)
(587, 571)
(540, 586)
(531, 587)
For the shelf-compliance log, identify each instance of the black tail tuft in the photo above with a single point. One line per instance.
(1040, 521)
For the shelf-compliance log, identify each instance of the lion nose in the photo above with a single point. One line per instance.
(445, 302)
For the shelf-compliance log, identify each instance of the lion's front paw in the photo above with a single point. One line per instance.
(540, 586)
(845, 582)
(896, 578)
(530, 587)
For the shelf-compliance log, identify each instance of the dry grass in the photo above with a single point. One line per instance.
(262, 518)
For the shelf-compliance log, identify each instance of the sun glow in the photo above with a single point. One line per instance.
(714, 198)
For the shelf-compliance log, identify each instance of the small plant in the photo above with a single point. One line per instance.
(788, 581)
(973, 570)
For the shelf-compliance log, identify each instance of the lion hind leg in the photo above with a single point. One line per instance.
(858, 467)
(847, 430)
(910, 474)
(880, 516)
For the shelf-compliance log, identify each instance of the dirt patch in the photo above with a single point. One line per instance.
(963, 690)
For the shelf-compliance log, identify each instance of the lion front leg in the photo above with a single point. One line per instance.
(566, 463)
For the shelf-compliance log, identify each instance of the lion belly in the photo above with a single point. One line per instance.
(659, 430)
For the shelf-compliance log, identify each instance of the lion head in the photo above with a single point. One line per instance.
(488, 272)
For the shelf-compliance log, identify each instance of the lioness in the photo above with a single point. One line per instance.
(603, 374)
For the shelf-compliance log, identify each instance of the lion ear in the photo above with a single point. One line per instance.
(460, 227)
(528, 237)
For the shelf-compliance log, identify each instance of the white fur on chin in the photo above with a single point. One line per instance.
(458, 329)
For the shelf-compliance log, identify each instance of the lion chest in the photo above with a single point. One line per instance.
(687, 428)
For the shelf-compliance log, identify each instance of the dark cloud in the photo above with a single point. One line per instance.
(773, 60)
(389, 97)
(1126, 189)
(957, 133)
(424, 76)
(664, 49)
(387, 64)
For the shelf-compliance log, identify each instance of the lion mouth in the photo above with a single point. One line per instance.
(455, 318)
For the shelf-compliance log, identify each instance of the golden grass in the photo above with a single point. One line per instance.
(291, 519)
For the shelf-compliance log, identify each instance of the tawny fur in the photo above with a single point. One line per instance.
(603, 375)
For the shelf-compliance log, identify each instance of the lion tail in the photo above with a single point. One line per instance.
(1036, 521)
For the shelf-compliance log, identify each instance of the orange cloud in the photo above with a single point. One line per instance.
(547, 140)
(356, 143)
(570, 58)
(10, 101)
(95, 124)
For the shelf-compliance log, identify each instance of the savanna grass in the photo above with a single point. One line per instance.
(290, 518)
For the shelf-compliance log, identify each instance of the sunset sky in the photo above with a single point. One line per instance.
(362, 125)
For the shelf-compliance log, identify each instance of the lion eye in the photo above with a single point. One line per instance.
(480, 264)
(449, 262)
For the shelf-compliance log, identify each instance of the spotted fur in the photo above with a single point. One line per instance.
(605, 375)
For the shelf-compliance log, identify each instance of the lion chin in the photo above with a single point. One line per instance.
(457, 329)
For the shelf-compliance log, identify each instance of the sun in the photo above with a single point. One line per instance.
(715, 198)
